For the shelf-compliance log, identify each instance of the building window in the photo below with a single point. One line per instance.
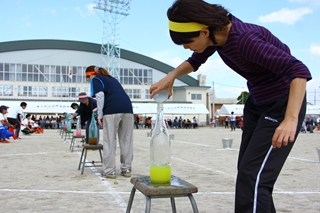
(133, 93)
(130, 76)
(65, 92)
(146, 94)
(6, 90)
(195, 96)
(32, 91)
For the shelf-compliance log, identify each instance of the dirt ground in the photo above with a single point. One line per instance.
(40, 174)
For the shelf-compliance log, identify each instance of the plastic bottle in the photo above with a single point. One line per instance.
(160, 149)
(93, 131)
(78, 127)
(69, 125)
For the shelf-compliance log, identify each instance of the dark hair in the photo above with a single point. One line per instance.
(98, 70)
(28, 115)
(213, 15)
(74, 105)
(23, 104)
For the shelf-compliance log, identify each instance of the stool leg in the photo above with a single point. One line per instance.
(74, 140)
(84, 160)
(71, 147)
(133, 191)
(173, 205)
(81, 158)
(193, 203)
(100, 155)
(148, 204)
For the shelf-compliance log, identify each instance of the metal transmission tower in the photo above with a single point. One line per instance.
(112, 11)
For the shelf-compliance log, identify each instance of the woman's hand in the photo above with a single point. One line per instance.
(167, 82)
(164, 84)
(284, 134)
(100, 122)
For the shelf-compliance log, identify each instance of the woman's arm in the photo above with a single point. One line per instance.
(167, 82)
(287, 129)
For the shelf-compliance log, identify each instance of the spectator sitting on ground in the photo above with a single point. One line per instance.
(35, 127)
(175, 123)
(25, 128)
(53, 123)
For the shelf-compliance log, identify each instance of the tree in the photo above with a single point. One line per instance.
(243, 97)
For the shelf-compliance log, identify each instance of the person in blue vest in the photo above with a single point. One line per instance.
(276, 80)
(115, 114)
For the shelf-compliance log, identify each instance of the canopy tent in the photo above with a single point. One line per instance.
(238, 110)
(41, 107)
(313, 110)
(170, 109)
(226, 109)
(144, 108)
(38, 107)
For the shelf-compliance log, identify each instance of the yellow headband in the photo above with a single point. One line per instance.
(185, 27)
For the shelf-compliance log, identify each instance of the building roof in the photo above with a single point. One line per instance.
(90, 47)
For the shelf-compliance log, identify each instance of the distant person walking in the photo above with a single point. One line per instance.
(226, 123)
(233, 121)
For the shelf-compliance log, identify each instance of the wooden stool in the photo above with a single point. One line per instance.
(67, 133)
(177, 188)
(73, 140)
(83, 158)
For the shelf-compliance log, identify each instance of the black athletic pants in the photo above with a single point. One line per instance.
(258, 163)
(16, 123)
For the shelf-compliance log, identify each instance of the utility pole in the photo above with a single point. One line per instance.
(212, 100)
(112, 10)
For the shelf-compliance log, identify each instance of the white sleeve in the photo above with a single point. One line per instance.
(100, 103)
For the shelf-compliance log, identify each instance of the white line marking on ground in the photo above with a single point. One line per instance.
(21, 154)
(127, 193)
(110, 189)
(203, 167)
(301, 159)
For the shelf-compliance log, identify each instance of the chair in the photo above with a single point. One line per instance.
(83, 157)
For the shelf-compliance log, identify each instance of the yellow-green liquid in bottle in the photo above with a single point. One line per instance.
(160, 174)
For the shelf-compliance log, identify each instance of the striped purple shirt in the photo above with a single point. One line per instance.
(261, 58)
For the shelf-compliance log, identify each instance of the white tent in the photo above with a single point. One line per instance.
(185, 109)
(144, 108)
(138, 108)
(41, 107)
(313, 110)
(170, 109)
(238, 110)
(226, 109)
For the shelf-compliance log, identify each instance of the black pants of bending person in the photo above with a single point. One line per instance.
(17, 126)
(258, 163)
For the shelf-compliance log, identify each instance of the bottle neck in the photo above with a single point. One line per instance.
(160, 110)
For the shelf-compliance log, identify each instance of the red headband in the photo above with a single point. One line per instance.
(91, 73)
(83, 96)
